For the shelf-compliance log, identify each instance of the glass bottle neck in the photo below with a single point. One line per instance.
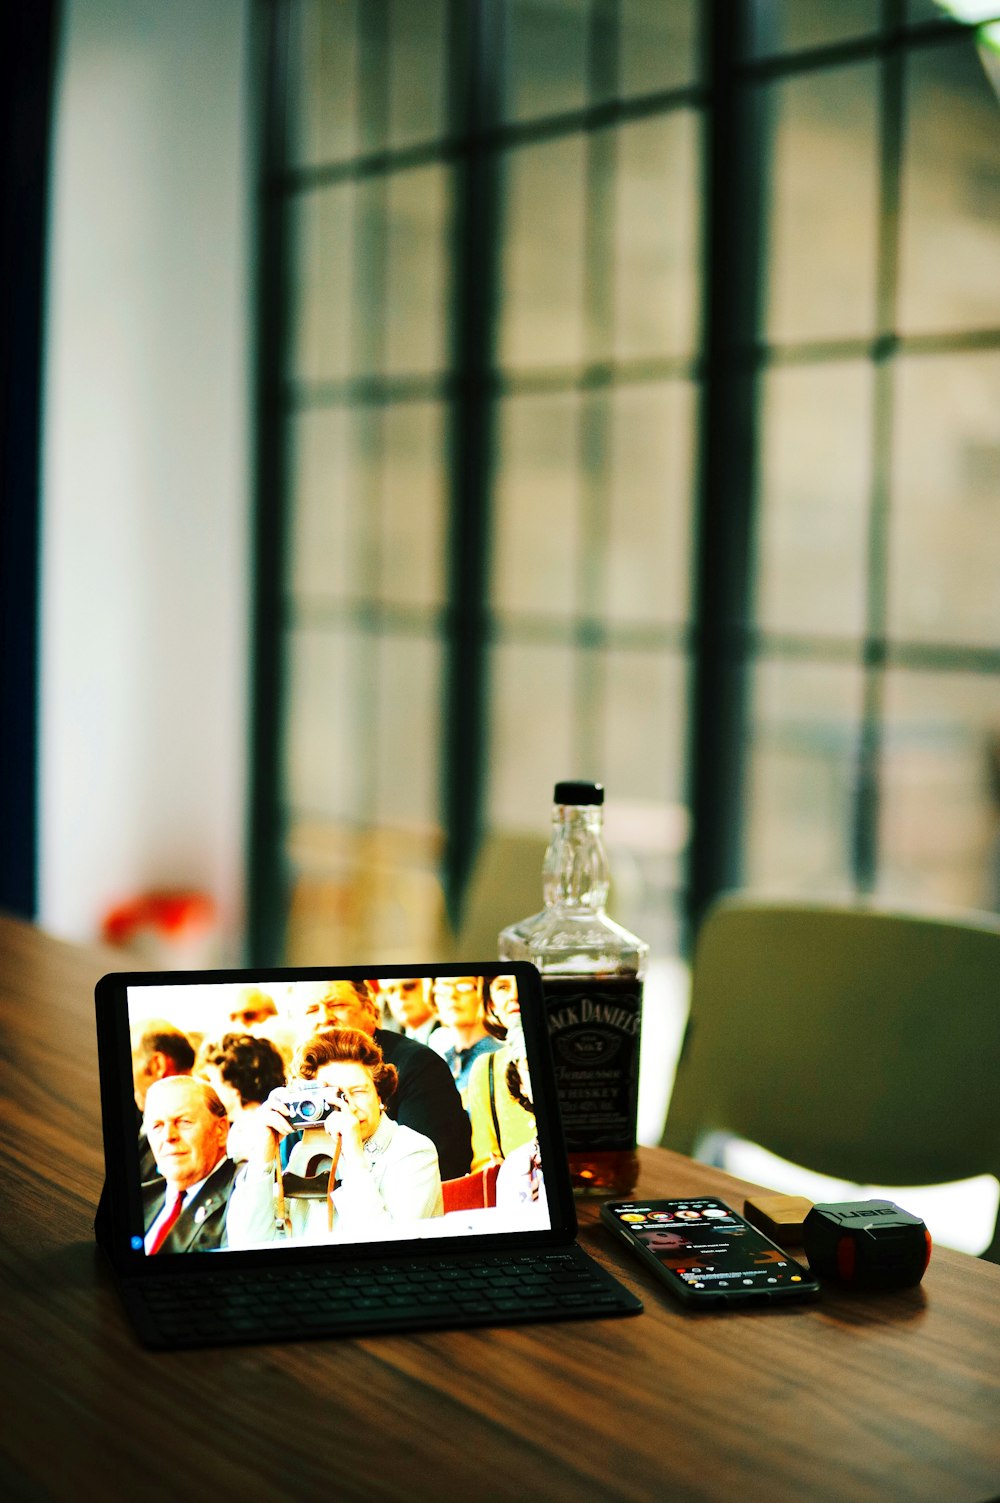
(575, 874)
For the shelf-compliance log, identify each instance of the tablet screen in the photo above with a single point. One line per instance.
(294, 1109)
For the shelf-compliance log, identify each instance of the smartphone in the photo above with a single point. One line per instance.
(707, 1256)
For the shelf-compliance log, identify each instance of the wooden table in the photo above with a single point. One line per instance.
(890, 1397)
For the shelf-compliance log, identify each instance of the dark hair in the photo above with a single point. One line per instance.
(252, 1066)
(333, 1045)
(491, 1022)
(513, 1078)
(361, 989)
(160, 1037)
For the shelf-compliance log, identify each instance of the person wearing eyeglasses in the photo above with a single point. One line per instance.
(425, 1098)
(462, 1037)
(253, 1009)
(382, 1177)
(410, 1004)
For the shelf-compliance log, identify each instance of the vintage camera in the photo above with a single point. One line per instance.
(305, 1105)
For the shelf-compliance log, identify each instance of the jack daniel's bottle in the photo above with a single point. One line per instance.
(592, 973)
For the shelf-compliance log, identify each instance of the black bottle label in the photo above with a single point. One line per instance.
(594, 1027)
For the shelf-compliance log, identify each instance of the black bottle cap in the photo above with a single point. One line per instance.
(579, 793)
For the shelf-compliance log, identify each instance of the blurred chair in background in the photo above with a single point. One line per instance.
(506, 885)
(859, 1043)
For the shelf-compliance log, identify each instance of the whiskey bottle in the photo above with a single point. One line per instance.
(592, 972)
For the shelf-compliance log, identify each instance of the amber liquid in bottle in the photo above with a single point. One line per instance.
(605, 1171)
(594, 1027)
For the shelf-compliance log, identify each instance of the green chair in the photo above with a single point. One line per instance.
(855, 1041)
(506, 885)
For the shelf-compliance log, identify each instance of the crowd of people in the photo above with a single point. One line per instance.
(338, 1110)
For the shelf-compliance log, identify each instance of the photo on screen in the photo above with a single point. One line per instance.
(311, 1112)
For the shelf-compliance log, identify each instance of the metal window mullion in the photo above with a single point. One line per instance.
(476, 50)
(593, 412)
(867, 789)
(266, 858)
(28, 70)
(370, 273)
(727, 462)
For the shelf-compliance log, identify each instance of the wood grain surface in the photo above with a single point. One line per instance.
(879, 1398)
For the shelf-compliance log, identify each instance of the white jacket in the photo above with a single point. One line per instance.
(402, 1185)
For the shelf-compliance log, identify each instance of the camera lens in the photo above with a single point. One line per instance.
(308, 1109)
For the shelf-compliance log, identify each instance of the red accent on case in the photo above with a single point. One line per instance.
(846, 1257)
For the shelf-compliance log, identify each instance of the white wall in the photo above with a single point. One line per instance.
(146, 475)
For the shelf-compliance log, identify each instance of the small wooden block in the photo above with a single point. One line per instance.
(779, 1217)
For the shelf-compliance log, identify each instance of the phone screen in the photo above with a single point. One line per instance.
(707, 1248)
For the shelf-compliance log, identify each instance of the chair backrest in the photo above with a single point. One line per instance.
(472, 1192)
(858, 1042)
(506, 885)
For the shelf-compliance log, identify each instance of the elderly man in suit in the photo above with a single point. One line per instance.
(187, 1129)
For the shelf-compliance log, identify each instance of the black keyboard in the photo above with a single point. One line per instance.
(352, 1299)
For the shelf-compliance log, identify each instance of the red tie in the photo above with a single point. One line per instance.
(166, 1225)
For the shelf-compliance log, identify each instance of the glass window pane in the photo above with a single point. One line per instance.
(815, 484)
(949, 252)
(322, 81)
(940, 809)
(322, 234)
(530, 733)
(405, 744)
(416, 71)
(322, 764)
(644, 724)
(546, 71)
(413, 513)
(368, 311)
(541, 302)
(536, 529)
(649, 523)
(326, 520)
(824, 231)
(416, 324)
(944, 547)
(657, 243)
(801, 775)
(657, 45)
(790, 25)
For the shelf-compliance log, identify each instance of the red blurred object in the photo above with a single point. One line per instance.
(173, 918)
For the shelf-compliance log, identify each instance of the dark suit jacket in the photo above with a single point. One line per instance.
(147, 1163)
(201, 1226)
(427, 1100)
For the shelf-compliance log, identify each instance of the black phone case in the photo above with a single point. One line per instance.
(709, 1299)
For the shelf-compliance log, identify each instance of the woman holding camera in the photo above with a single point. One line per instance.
(375, 1176)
